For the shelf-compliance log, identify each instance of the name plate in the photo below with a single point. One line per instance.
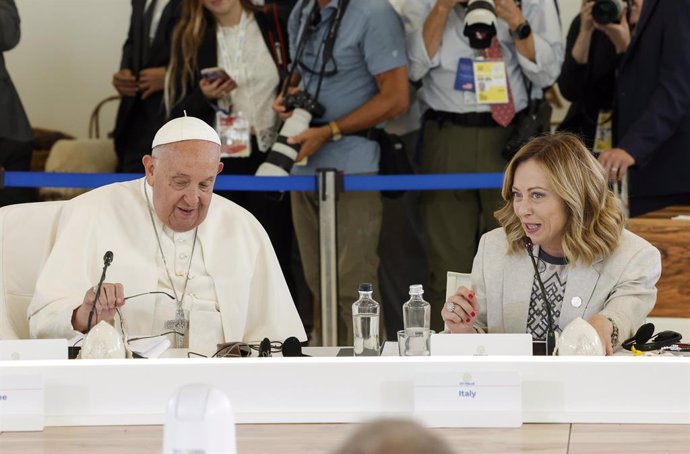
(469, 399)
(22, 403)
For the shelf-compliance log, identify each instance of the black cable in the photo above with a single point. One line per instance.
(330, 43)
(550, 334)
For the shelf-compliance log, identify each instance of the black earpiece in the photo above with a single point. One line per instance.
(265, 348)
(645, 340)
(292, 347)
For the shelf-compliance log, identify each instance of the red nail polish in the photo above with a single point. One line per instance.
(468, 320)
(473, 314)
(471, 295)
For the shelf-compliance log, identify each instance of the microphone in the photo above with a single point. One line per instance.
(550, 333)
(107, 260)
(292, 347)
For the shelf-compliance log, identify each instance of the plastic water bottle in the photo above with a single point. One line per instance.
(365, 322)
(416, 311)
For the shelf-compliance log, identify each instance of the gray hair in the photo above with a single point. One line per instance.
(393, 436)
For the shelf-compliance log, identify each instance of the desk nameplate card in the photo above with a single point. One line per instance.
(469, 399)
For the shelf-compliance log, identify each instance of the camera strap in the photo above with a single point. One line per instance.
(330, 41)
(307, 30)
(328, 46)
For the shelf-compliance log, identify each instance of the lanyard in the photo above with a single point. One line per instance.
(232, 59)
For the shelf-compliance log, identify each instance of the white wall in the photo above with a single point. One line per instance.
(69, 50)
(569, 8)
(65, 60)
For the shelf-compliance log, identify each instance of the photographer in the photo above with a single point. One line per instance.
(587, 79)
(462, 135)
(652, 110)
(361, 86)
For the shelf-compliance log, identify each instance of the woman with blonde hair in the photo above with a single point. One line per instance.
(557, 199)
(231, 56)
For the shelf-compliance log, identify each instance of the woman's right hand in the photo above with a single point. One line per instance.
(217, 88)
(586, 19)
(460, 311)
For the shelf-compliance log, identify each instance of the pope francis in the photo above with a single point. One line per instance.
(196, 265)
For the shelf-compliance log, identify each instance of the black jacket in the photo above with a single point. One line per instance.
(14, 124)
(138, 120)
(589, 87)
(652, 111)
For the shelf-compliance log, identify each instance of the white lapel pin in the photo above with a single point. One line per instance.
(576, 301)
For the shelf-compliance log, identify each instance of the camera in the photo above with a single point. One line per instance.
(282, 156)
(607, 11)
(480, 23)
(304, 100)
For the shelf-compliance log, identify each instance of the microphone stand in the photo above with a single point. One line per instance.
(550, 333)
(107, 260)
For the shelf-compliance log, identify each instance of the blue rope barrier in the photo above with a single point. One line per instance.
(423, 182)
(252, 183)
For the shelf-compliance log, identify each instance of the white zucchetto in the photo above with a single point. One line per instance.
(185, 128)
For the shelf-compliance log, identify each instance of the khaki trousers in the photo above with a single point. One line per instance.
(456, 219)
(359, 224)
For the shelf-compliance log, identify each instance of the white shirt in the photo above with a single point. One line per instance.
(438, 73)
(156, 18)
(243, 54)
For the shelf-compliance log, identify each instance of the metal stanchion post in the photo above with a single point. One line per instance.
(329, 186)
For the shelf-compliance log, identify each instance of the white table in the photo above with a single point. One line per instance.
(342, 389)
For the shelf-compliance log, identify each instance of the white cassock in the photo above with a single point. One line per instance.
(236, 290)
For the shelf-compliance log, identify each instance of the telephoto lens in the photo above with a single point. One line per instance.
(282, 156)
(607, 11)
(480, 23)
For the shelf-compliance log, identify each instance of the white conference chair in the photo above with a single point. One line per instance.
(27, 234)
(80, 155)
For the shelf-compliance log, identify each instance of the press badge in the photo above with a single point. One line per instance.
(603, 138)
(491, 82)
(235, 135)
(464, 78)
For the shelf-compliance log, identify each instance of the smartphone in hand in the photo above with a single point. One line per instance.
(215, 73)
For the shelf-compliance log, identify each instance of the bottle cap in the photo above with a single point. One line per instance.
(417, 289)
(366, 287)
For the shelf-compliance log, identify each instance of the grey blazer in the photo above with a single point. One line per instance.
(621, 286)
(13, 121)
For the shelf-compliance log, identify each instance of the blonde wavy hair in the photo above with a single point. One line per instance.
(186, 39)
(595, 219)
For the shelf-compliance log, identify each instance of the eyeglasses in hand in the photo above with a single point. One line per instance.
(150, 293)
